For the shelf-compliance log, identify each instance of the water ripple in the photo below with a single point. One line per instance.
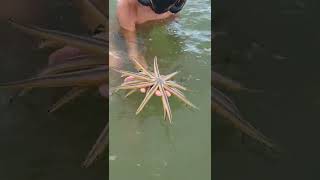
(194, 27)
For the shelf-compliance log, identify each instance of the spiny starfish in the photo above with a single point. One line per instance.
(155, 81)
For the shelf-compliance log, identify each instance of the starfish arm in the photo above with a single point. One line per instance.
(148, 96)
(135, 86)
(177, 93)
(130, 92)
(132, 82)
(142, 68)
(164, 112)
(169, 76)
(85, 43)
(165, 103)
(72, 94)
(176, 85)
(135, 75)
(244, 126)
(91, 77)
(156, 67)
(225, 101)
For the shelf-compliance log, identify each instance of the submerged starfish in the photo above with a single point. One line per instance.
(155, 81)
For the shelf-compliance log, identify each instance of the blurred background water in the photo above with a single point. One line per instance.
(36, 144)
(144, 146)
(273, 46)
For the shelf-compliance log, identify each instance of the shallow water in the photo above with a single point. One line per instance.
(144, 146)
(36, 144)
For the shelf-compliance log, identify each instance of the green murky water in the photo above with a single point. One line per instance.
(143, 146)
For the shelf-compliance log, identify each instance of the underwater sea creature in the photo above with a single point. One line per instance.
(225, 107)
(83, 72)
(155, 81)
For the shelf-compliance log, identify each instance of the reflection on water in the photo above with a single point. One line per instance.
(144, 146)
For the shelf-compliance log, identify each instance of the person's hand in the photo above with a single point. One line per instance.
(144, 90)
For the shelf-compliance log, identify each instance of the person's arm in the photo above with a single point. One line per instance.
(133, 52)
(126, 18)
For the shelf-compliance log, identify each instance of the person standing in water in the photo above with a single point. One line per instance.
(131, 13)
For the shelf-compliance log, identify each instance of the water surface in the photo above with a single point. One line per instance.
(144, 146)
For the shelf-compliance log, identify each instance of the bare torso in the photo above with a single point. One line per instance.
(131, 13)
